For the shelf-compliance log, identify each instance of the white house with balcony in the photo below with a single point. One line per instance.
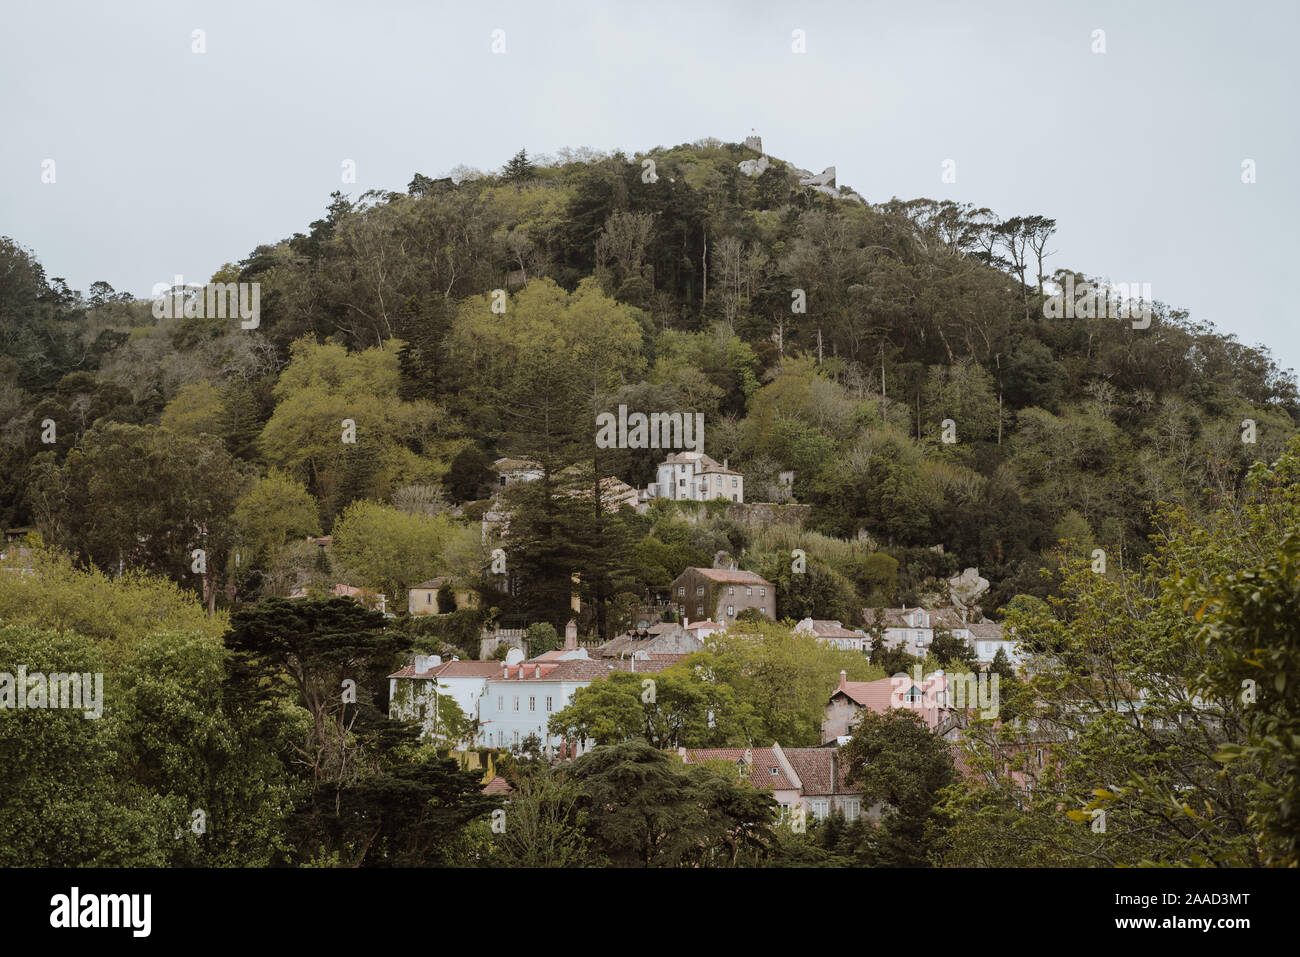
(694, 476)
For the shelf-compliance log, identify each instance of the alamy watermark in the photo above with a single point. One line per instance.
(658, 430)
(36, 690)
(1088, 301)
(215, 300)
(960, 690)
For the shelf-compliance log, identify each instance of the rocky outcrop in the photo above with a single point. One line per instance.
(754, 167)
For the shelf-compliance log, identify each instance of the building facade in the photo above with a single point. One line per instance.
(721, 594)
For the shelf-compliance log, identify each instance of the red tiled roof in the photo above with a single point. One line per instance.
(498, 785)
(761, 763)
(736, 576)
(453, 669)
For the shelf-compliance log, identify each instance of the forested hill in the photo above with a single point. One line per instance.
(671, 285)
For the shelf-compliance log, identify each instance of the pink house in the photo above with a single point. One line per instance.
(928, 697)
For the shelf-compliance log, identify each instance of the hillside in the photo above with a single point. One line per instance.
(816, 331)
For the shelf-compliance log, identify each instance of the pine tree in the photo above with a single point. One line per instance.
(518, 169)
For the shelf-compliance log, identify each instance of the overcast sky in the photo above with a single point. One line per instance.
(173, 162)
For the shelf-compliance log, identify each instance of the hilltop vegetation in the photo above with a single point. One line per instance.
(670, 292)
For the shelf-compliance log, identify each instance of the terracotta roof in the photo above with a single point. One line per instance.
(736, 576)
(707, 623)
(452, 669)
(875, 695)
(431, 583)
(651, 665)
(813, 765)
(498, 785)
(575, 669)
(761, 761)
(833, 629)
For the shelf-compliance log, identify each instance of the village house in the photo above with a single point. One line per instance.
(928, 698)
(511, 470)
(413, 691)
(665, 637)
(522, 695)
(722, 594)
(913, 630)
(694, 477)
(423, 598)
(703, 629)
(834, 634)
(811, 778)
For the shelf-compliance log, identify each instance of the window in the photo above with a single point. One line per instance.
(699, 609)
(821, 808)
(1040, 757)
(516, 739)
(681, 591)
(682, 483)
(748, 592)
(516, 702)
(735, 483)
(852, 808)
(731, 589)
(762, 593)
(548, 702)
(503, 480)
(428, 598)
(731, 611)
(532, 703)
(699, 590)
(773, 771)
(501, 703)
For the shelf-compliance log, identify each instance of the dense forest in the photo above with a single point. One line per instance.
(492, 314)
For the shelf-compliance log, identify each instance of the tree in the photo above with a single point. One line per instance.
(898, 761)
(386, 549)
(96, 505)
(519, 169)
(646, 809)
(276, 510)
(949, 649)
(542, 637)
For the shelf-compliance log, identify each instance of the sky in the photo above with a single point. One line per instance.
(169, 162)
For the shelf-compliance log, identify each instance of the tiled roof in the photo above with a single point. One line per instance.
(498, 785)
(813, 765)
(833, 629)
(645, 666)
(574, 669)
(761, 763)
(452, 669)
(689, 458)
(707, 623)
(508, 464)
(875, 695)
(733, 576)
(431, 583)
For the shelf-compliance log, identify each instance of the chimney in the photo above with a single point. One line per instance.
(844, 680)
(724, 463)
(571, 636)
(686, 622)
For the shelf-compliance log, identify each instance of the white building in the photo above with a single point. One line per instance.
(913, 630)
(693, 476)
(413, 691)
(521, 699)
(835, 634)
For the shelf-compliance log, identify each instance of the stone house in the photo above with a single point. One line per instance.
(722, 594)
(423, 598)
